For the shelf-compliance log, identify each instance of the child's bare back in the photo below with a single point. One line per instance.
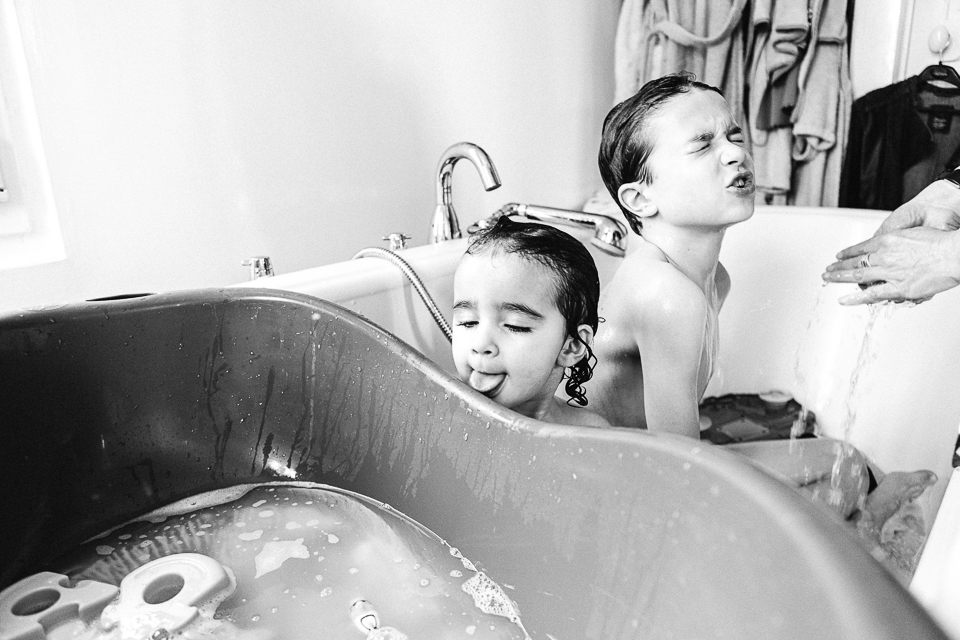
(651, 307)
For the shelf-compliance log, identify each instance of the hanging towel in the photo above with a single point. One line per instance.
(637, 47)
(705, 37)
(819, 154)
(772, 146)
(822, 113)
(789, 31)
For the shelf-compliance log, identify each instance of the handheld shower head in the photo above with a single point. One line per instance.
(610, 236)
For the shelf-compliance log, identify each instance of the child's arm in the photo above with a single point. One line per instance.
(669, 337)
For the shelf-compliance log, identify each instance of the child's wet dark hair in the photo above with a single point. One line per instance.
(575, 274)
(625, 144)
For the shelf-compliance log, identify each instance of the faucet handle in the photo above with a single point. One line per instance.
(260, 266)
(398, 241)
(508, 209)
(485, 223)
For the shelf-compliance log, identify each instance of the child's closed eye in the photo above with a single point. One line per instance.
(735, 135)
(467, 323)
(517, 328)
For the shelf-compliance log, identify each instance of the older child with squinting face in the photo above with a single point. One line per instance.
(675, 160)
(524, 315)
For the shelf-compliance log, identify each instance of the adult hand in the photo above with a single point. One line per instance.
(907, 264)
(937, 207)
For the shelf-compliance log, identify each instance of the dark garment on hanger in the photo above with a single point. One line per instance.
(890, 137)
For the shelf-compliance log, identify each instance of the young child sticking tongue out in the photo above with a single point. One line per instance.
(524, 315)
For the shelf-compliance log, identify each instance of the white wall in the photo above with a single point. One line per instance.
(873, 44)
(926, 15)
(184, 136)
(890, 40)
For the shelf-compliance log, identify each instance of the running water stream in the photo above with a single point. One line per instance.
(845, 451)
(845, 461)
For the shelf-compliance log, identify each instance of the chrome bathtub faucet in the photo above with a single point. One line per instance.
(445, 225)
(260, 266)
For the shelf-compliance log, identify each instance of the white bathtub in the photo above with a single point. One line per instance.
(780, 329)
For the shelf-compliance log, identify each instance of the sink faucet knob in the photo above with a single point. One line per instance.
(445, 225)
(398, 241)
(260, 266)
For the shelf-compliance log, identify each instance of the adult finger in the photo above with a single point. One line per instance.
(886, 291)
(862, 261)
(867, 246)
(857, 275)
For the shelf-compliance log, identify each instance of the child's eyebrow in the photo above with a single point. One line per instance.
(521, 308)
(464, 304)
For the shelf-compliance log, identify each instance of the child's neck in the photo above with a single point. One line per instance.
(694, 251)
(545, 409)
(545, 406)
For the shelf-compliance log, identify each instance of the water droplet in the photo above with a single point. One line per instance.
(325, 592)
(255, 618)
(424, 583)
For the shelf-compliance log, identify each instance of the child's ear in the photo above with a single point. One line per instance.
(574, 350)
(632, 196)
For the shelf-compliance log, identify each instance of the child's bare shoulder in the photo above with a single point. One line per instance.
(590, 418)
(652, 290)
(579, 416)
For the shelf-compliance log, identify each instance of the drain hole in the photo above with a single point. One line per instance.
(163, 588)
(35, 602)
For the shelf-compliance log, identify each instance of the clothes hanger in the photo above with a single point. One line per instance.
(939, 75)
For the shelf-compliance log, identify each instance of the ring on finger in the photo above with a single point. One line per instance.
(864, 261)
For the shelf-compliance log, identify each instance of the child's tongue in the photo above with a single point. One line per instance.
(485, 382)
